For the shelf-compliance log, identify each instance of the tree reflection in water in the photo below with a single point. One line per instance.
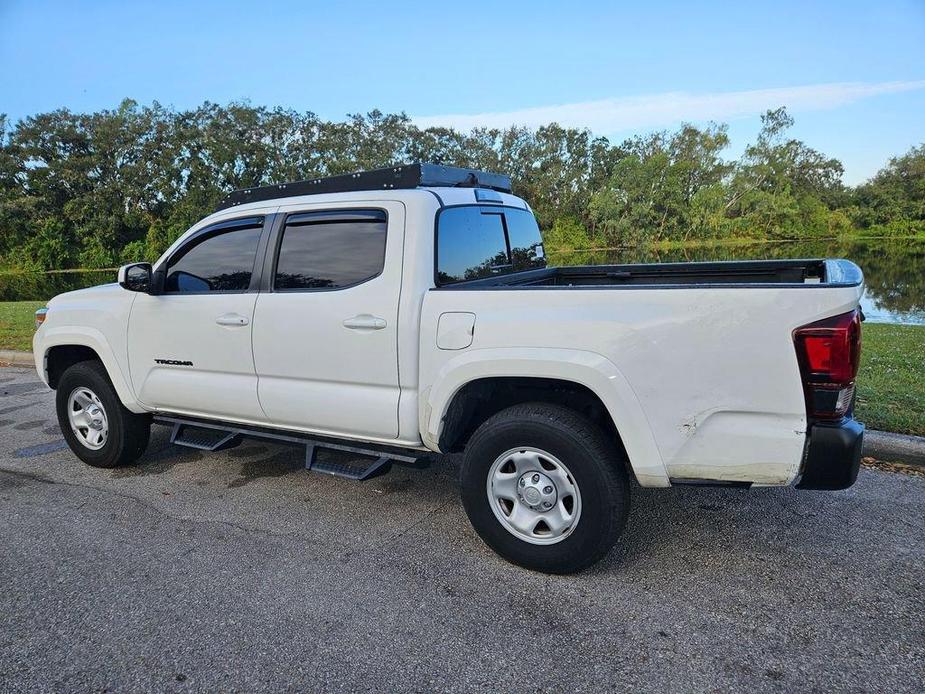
(894, 269)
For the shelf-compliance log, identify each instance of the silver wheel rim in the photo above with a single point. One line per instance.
(533, 495)
(87, 417)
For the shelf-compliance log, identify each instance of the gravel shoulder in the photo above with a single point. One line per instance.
(239, 571)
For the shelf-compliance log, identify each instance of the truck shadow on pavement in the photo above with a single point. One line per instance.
(690, 523)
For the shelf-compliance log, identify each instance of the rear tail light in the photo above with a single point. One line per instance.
(829, 352)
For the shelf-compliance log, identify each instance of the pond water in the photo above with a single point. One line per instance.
(894, 270)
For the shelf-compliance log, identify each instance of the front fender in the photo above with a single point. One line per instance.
(589, 369)
(85, 336)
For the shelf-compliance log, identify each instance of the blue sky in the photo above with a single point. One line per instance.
(852, 73)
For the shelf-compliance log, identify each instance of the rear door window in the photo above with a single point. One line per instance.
(330, 250)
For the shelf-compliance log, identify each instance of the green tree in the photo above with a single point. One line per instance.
(663, 186)
(102, 188)
(778, 182)
(894, 199)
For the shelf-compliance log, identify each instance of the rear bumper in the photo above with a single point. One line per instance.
(833, 455)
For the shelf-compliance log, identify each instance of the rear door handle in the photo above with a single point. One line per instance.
(365, 321)
(232, 319)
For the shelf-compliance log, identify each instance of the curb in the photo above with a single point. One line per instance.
(900, 448)
(882, 445)
(15, 358)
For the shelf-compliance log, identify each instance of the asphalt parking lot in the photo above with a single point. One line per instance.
(239, 571)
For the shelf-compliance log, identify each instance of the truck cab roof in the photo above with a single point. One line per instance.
(441, 197)
(485, 187)
(423, 189)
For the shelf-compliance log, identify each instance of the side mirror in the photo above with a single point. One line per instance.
(135, 277)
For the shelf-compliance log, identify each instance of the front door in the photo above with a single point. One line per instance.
(190, 347)
(326, 328)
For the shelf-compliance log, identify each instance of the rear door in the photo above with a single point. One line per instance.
(190, 347)
(326, 322)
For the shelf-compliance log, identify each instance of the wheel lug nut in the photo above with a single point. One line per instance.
(522, 481)
(536, 478)
(547, 504)
(547, 490)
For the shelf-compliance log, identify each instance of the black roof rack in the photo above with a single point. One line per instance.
(405, 176)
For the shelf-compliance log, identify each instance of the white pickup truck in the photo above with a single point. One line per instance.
(409, 310)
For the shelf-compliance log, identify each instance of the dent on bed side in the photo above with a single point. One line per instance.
(757, 474)
(716, 444)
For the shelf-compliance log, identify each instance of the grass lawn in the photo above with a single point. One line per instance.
(17, 324)
(891, 384)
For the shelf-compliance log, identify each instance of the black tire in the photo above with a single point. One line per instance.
(128, 432)
(592, 461)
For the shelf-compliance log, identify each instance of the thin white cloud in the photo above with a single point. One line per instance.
(608, 116)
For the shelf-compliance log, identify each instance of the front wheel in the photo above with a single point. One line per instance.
(545, 488)
(97, 427)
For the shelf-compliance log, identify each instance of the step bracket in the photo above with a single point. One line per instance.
(215, 436)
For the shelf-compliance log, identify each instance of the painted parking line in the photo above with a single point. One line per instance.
(41, 449)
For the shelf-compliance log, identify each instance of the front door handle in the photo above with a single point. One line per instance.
(365, 321)
(232, 319)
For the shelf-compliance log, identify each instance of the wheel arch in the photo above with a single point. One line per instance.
(60, 358)
(472, 387)
(61, 349)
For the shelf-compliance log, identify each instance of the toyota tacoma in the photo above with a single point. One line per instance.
(391, 314)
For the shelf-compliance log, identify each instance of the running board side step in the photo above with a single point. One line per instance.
(202, 438)
(215, 436)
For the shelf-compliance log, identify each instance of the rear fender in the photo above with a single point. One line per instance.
(588, 369)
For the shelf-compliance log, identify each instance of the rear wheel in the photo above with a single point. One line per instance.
(544, 488)
(98, 429)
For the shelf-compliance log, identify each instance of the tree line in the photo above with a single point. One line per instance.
(98, 189)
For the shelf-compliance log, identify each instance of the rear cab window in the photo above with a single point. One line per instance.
(476, 241)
